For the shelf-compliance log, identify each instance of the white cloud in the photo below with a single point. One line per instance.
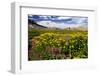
(48, 23)
(43, 17)
(64, 17)
(56, 18)
(57, 25)
(79, 20)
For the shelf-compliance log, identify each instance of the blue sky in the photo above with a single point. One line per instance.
(59, 21)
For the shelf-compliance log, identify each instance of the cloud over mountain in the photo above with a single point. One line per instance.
(59, 21)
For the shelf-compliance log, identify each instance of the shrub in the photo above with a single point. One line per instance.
(55, 46)
(78, 47)
(33, 33)
(50, 43)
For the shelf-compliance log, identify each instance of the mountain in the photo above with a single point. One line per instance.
(81, 28)
(34, 25)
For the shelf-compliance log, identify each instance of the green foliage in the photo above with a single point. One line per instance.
(32, 33)
(50, 40)
(78, 47)
(59, 44)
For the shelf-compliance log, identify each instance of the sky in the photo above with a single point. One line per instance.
(59, 21)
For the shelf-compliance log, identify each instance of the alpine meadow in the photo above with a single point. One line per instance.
(53, 37)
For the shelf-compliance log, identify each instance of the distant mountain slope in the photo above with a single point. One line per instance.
(32, 24)
(83, 28)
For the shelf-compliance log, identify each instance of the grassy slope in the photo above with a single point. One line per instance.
(70, 33)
